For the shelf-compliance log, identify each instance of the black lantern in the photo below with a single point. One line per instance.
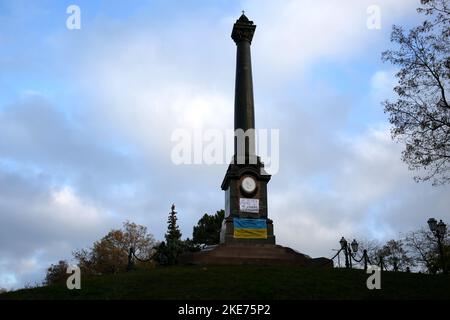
(354, 246)
(343, 243)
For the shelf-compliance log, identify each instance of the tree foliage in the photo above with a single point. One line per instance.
(373, 248)
(173, 231)
(167, 252)
(56, 273)
(421, 243)
(207, 230)
(110, 254)
(395, 256)
(417, 250)
(423, 246)
(421, 114)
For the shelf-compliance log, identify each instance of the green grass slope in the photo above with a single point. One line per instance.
(245, 282)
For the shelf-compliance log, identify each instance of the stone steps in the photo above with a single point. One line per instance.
(262, 254)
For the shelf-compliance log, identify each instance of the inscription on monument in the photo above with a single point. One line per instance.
(249, 205)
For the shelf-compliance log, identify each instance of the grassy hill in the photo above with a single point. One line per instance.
(245, 282)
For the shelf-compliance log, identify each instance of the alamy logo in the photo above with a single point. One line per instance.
(213, 146)
(73, 22)
(74, 280)
(374, 280)
(374, 19)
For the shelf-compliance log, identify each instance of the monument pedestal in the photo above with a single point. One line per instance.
(234, 193)
(253, 254)
(227, 234)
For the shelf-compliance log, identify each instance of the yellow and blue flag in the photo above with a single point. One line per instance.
(250, 228)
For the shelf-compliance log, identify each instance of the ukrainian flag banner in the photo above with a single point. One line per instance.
(250, 228)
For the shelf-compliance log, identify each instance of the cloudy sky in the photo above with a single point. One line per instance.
(86, 118)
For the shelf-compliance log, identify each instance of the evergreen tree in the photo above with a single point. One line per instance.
(173, 232)
(168, 252)
(207, 230)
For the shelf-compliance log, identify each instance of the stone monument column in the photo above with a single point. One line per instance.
(245, 182)
(244, 114)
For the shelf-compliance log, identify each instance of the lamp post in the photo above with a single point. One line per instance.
(439, 229)
(343, 243)
(380, 258)
(365, 259)
(353, 248)
(348, 251)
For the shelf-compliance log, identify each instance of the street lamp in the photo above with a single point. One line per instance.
(432, 223)
(343, 243)
(350, 251)
(439, 230)
(354, 245)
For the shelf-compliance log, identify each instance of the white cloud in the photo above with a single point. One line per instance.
(68, 209)
(26, 265)
(40, 224)
(292, 35)
(382, 84)
(368, 194)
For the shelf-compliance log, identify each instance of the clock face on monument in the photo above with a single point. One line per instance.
(248, 184)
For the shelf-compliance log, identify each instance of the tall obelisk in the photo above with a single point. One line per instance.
(245, 182)
(244, 110)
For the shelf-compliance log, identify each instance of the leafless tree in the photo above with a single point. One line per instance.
(421, 114)
(395, 256)
(421, 243)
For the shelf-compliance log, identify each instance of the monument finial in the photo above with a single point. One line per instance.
(243, 29)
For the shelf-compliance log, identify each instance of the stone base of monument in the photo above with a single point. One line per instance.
(227, 234)
(255, 254)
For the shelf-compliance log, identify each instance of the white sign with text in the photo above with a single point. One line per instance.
(249, 205)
